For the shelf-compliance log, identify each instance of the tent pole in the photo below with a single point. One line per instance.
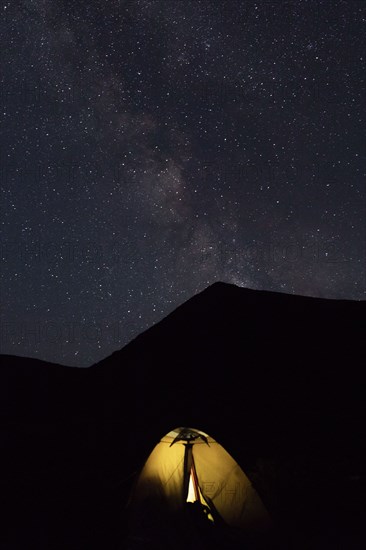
(195, 481)
(190, 470)
(187, 468)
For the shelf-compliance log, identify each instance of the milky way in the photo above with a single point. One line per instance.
(150, 148)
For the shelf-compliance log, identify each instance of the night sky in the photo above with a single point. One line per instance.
(150, 148)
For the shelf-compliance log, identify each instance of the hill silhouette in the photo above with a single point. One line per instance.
(276, 378)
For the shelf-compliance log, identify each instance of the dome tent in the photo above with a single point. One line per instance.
(188, 466)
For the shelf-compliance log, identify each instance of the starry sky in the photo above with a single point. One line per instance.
(152, 147)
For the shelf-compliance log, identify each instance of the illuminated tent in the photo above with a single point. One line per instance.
(189, 466)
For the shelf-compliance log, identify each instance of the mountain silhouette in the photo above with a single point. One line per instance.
(231, 354)
(276, 378)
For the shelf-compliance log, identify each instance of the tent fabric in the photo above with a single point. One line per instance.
(163, 483)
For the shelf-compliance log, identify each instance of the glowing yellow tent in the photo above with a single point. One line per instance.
(188, 465)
